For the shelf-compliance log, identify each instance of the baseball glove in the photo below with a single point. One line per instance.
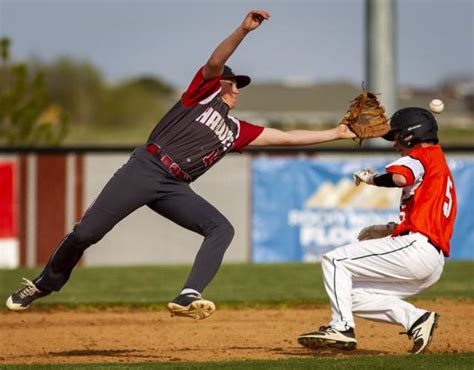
(376, 231)
(366, 117)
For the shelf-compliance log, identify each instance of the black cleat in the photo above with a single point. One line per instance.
(22, 298)
(191, 305)
(329, 337)
(422, 331)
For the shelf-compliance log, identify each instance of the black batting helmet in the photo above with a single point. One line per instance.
(241, 80)
(415, 125)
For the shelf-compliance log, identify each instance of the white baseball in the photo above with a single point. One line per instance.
(436, 106)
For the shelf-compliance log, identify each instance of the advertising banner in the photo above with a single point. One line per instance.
(304, 207)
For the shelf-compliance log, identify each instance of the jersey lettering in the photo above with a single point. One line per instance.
(449, 203)
(213, 119)
(209, 159)
(204, 116)
(402, 212)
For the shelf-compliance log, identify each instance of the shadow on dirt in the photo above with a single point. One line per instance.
(93, 352)
(129, 353)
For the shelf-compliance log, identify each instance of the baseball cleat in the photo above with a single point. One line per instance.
(23, 297)
(422, 331)
(329, 337)
(191, 305)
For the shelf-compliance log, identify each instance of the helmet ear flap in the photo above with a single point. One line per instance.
(407, 141)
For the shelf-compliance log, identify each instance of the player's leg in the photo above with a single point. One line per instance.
(398, 260)
(126, 191)
(187, 209)
(384, 301)
(388, 259)
(380, 301)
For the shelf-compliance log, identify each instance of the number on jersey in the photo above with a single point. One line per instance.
(448, 204)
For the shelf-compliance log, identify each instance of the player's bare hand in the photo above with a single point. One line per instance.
(254, 19)
(376, 231)
(343, 132)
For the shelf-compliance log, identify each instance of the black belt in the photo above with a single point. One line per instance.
(172, 167)
(406, 232)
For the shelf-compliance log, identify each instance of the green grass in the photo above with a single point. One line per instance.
(456, 136)
(428, 362)
(90, 135)
(236, 285)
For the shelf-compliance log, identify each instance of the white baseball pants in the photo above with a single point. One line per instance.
(371, 278)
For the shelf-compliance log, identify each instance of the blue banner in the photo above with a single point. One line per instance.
(304, 207)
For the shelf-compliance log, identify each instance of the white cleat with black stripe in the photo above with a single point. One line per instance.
(327, 336)
(422, 331)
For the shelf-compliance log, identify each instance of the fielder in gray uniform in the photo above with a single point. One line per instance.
(196, 133)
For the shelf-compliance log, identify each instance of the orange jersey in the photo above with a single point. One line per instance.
(428, 203)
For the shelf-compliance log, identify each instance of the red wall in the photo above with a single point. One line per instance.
(8, 228)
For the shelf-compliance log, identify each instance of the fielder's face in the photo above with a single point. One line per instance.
(229, 92)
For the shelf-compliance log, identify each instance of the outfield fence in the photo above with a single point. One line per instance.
(285, 204)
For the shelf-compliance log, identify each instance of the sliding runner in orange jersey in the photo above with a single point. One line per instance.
(372, 277)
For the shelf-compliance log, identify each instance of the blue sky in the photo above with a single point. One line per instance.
(312, 40)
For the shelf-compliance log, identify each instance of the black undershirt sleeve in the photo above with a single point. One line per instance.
(385, 180)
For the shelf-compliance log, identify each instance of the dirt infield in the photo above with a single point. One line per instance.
(119, 335)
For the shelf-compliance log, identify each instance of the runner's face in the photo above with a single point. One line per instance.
(229, 92)
(399, 147)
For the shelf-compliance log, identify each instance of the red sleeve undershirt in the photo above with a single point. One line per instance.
(200, 89)
(248, 133)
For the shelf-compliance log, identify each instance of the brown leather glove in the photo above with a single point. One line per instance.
(366, 117)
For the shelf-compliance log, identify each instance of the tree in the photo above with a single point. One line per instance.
(135, 102)
(75, 85)
(27, 117)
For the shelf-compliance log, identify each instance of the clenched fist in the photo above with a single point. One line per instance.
(254, 19)
(366, 175)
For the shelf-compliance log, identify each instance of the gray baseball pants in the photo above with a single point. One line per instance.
(143, 180)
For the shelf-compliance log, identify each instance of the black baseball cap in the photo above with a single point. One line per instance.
(241, 80)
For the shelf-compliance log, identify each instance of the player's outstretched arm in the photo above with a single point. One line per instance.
(388, 180)
(215, 64)
(275, 137)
